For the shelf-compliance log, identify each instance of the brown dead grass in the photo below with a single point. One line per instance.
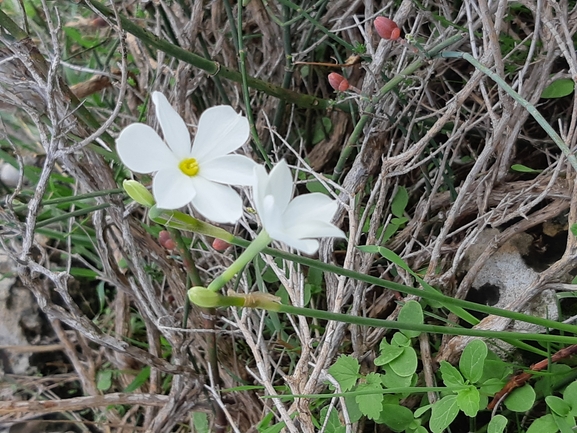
(448, 135)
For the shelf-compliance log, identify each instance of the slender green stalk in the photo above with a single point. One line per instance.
(318, 25)
(288, 74)
(74, 198)
(217, 80)
(255, 247)
(433, 329)
(370, 109)
(79, 212)
(207, 298)
(186, 222)
(523, 102)
(405, 390)
(245, 93)
(214, 68)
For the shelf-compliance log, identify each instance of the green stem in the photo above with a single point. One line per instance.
(435, 329)
(523, 102)
(66, 200)
(318, 25)
(255, 247)
(79, 212)
(214, 68)
(186, 222)
(245, 93)
(370, 109)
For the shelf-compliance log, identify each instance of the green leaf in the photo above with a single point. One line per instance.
(558, 405)
(277, 428)
(492, 386)
(558, 88)
(396, 417)
(562, 423)
(322, 129)
(524, 169)
(388, 353)
(393, 380)
(139, 380)
(574, 229)
(400, 202)
(443, 413)
(399, 339)
(468, 401)
(495, 368)
(104, 381)
(412, 312)
(317, 186)
(332, 424)
(371, 404)
(200, 422)
(450, 375)
(399, 221)
(521, 399)
(345, 371)
(570, 396)
(497, 424)
(406, 364)
(472, 360)
(545, 424)
(552, 381)
(355, 413)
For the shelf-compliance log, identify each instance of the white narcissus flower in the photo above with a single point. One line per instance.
(197, 174)
(295, 222)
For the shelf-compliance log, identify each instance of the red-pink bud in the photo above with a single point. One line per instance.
(165, 240)
(338, 82)
(220, 245)
(387, 28)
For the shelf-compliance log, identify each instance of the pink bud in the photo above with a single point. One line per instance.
(338, 82)
(387, 28)
(220, 245)
(165, 240)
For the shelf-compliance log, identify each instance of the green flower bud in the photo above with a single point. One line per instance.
(203, 297)
(138, 193)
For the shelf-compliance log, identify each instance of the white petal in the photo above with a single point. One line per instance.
(271, 217)
(307, 246)
(142, 150)
(173, 127)
(314, 206)
(260, 180)
(229, 169)
(314, 229)
(280, 185)
(216, 202)
(221, 130)
(172, 189)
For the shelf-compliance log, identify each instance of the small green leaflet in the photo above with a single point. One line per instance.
(345, 371)
(372, 404)
(443, 413)
(558, 88)
(472, 360)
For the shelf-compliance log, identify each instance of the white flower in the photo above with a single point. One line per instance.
(295, 222)
(197, 174)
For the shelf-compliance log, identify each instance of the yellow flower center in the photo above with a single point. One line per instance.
(189, 166)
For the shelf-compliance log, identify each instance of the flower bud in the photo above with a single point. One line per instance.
(387, 28)
(138, 193)
(165, 240)
(220, 245)
(203, 297)
(338, 82)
